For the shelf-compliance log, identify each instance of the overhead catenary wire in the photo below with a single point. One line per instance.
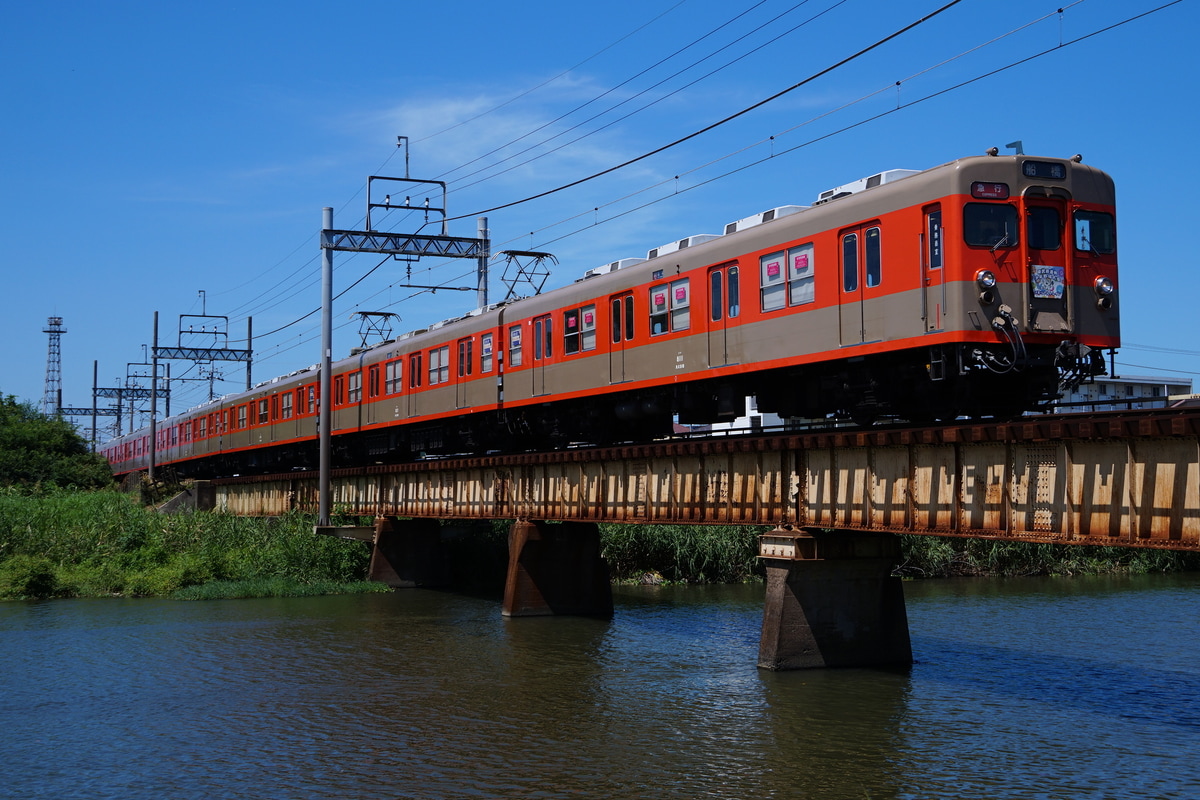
(729, 118)
(840, 130)
(712, 126)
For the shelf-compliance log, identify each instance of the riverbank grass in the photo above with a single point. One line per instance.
(102, 544)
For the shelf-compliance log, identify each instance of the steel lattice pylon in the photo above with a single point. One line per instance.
(52, 395)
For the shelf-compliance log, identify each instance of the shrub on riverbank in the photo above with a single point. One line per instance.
(39, 451)
(681, 553)
(717, 554)
(944, 557)
(97, 544)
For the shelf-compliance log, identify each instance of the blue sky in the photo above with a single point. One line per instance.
(152, 151)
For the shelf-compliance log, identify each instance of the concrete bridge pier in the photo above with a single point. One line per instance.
(407, 553)
(831, 601)
(556, 569)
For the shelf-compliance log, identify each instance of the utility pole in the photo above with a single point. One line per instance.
(154, 401)
(326, 399)
(481, 291)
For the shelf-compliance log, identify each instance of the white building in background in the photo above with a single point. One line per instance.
(1125, 392)
(1103, 394)
(751, 420)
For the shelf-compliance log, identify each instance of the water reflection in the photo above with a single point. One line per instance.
(1022, 689)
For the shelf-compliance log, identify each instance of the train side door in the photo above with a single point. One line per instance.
(462, 371)
(621, 335)
(862, 274)
(933, 296)
(415, 376)
(1049, 280)
(543, 351)
(724, 307)
(371, 403)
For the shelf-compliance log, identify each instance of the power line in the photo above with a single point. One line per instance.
(720, 122)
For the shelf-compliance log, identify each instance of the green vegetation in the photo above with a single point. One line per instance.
(714, 554)
(59, 543)
(38, 451)
(681, 553)
(940, 557)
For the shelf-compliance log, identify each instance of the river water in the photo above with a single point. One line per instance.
(1030, 688)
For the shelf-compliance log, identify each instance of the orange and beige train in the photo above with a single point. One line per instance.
(980, 287)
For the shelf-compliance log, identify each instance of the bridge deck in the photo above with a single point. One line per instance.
(1121, 478)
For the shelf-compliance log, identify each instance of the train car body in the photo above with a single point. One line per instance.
(981, 287)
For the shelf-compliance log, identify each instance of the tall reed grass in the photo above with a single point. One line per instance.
(93, 544)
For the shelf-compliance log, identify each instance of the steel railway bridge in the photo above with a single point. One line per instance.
(834, 500)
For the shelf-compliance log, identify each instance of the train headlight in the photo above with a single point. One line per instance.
(1104, 291)
(987, 282)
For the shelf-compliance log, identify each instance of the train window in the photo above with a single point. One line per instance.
(339, 390)
(716, 296)
(312, 399)
(514, 346)
(202, 428)
(263, 412)
(393, 373)
(670, 307)
(990, 225)
(355, 381)
(773, 281)
(1095, 232)
(850, 262)
(579, 329)
(733, 303)
(724, 293)
(801, 278)
(466, 357)
(285, 401)
(934, 242)
(571, 331)
(414, 370)
(439, 365)
(373, 381)
(1043, 227)
(681, 301)
(658, 309)
(486, 353)
(240, 420)
(622, 310)
(874, 257)
(543, 338)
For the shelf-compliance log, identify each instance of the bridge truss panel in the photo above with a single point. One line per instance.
(1124, 483)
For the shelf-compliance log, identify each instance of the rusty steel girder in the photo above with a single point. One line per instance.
(1120, 478)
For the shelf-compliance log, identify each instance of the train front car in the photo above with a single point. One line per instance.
(1029, 282)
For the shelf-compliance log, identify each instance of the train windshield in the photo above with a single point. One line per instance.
(990, 225)
(1095, 232)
